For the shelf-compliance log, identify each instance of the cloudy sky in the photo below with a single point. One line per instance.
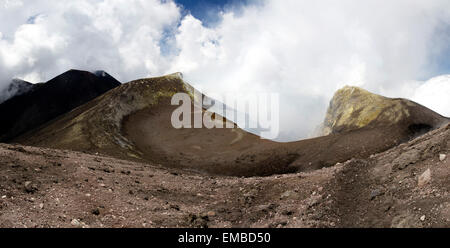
(304, 50)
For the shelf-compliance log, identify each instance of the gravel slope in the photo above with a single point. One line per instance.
(56, 188)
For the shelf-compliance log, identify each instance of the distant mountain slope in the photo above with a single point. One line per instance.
(97, 125)
(133, 122)
(58, 96)
(16, 87)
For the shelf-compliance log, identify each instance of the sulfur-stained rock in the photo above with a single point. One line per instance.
(353, 108)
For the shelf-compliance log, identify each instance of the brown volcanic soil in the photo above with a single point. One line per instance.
(55, 188)
(235, 152)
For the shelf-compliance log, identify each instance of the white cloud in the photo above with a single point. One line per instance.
(46, 38)
(435, 94)
(304, 50)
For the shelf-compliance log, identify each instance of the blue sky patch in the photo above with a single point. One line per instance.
(208, 10)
